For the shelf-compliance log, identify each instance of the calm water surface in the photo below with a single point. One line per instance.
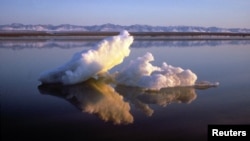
(98, 110)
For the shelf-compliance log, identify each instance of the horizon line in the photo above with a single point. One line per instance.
(112, 33)
(131, 25)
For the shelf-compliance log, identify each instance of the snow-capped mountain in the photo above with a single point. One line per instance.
(113, 27)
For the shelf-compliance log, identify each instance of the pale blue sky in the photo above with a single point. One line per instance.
(220, 13)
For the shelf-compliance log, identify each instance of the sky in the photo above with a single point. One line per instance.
(207, 13)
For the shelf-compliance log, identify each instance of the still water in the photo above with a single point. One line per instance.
(98, 110)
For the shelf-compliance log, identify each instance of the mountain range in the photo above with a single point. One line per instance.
(114, 27)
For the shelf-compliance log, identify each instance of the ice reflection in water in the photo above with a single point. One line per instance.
(100, 98)
(141, 99)
(94, 97)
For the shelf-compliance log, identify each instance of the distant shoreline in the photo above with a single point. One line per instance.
(138, 35)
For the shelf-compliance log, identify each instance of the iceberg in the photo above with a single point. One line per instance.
(111, 51)
(90, 63)
(141, 73)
